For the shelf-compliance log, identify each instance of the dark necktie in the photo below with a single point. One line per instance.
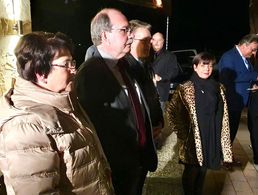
(134, 99)
(249, 67)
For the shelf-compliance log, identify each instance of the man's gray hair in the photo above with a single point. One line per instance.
(247, 39)
(134, 24)
(100, 23)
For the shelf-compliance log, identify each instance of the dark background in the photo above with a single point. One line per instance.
(212, 25)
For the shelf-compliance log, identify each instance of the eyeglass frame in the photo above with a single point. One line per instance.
(125, 30)
(145, 39)
(69, 64)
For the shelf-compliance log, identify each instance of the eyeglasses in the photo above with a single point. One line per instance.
(123, 30)
(145, 40)
(69, 64)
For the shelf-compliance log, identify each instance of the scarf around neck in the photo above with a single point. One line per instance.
(209, 108)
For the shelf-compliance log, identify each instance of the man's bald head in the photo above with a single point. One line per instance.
(157, 41)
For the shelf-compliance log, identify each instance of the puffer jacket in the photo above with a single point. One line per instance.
(48, 145)
(182, 119)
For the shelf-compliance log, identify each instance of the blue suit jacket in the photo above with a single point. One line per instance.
(236, 78)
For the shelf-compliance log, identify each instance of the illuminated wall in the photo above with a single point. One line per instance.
(15, 20)
(254, 16)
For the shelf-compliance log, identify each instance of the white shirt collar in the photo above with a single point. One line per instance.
(110, 61)
(244, 58)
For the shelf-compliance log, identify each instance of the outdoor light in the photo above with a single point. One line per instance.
(158, 3)
(16, 16)
(15, 20)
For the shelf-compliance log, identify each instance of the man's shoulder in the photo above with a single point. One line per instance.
(229, 53)
(91, 51)
(129, 58)
(166, 52)
(169, 56)
(165, 56)
(39, 114)
(131, 61)
(91, 63)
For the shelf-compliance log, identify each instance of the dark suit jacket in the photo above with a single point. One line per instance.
(143, 75)
(236, 78)
(90, 52)
(108, 106)
(165, 65)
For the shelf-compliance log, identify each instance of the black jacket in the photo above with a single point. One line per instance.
(108, 107)
(143, 75)
(165, 65)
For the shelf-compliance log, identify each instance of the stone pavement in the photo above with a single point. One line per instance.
(240, 181)
(166, 179)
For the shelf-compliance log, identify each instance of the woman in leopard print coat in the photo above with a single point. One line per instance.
(198, 114)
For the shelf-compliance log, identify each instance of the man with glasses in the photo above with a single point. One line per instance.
(237, 75)
(115, 104)
(140, 65)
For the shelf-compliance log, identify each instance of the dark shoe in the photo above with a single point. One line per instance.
(236, 163)
(227, 166)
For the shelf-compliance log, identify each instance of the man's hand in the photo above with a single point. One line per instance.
(157, 77)
(254, 88)
(156, 131)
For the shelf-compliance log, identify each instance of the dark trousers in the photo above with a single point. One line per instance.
(2, 186)
(129, 182)
(234, 120)
(253, 123)
(193, 179)
(163, 106)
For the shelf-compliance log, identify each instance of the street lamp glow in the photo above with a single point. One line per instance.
(158, 3)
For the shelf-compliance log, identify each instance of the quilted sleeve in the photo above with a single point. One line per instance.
(28, 161)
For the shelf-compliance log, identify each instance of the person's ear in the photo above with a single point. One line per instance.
(195, 66)
(41, 78)
(104, 36)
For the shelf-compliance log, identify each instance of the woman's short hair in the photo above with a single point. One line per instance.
(36, 50)
(205, 57)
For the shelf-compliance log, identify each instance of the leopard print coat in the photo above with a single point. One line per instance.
(182, 119)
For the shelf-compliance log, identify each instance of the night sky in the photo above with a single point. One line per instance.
(212, 25)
